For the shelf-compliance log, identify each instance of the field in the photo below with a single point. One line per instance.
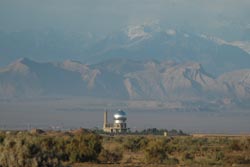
(83, 148)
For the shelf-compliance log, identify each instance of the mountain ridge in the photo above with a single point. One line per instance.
(138, 42)
(123, 79)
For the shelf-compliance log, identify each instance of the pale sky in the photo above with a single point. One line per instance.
(104, 16)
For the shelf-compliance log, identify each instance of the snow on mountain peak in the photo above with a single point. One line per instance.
(144, 30)
(214, 39)
(244, 45)
(134, 32)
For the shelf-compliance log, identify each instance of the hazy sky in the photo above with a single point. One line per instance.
(102, 16)
(227, 19)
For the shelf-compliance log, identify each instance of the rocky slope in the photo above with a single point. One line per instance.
(237, 84)
(123, 79)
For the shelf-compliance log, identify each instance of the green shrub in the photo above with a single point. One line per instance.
(84, 148)
(119, 139)
(219, 156)
(188, 156)
(135, 143)
(1, 139)
(235, 145)
(155, 152)
(238, 159)
(40, 150)
(107, 156)
(25, 151)
(171, 161)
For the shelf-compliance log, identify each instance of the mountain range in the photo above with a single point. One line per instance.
(124, 79)
(139, 62)
(135, 42)
(152, 42)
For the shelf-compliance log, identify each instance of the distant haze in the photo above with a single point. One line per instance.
(183, 63)
(103, 17)
(61, 29)
(79, 112)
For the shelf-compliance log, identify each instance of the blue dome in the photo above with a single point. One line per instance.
(120, 114)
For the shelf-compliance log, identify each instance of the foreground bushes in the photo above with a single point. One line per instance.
(156, 151)
(135, 143)
(45, 150)
(83, 148)
(110, 156)
(63, 149)
(185, 150)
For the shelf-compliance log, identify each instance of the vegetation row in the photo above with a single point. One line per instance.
(51, 149)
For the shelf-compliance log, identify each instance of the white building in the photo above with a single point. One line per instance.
(119, 125)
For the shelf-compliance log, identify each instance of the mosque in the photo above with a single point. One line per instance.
(119, 125)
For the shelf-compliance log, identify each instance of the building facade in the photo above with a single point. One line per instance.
(118, 126)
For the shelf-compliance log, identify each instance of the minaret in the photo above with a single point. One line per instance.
(105, 120)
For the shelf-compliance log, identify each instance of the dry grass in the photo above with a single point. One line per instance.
(133, 151)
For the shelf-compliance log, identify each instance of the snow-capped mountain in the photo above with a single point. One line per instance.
(138, 42)
(142, 42)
